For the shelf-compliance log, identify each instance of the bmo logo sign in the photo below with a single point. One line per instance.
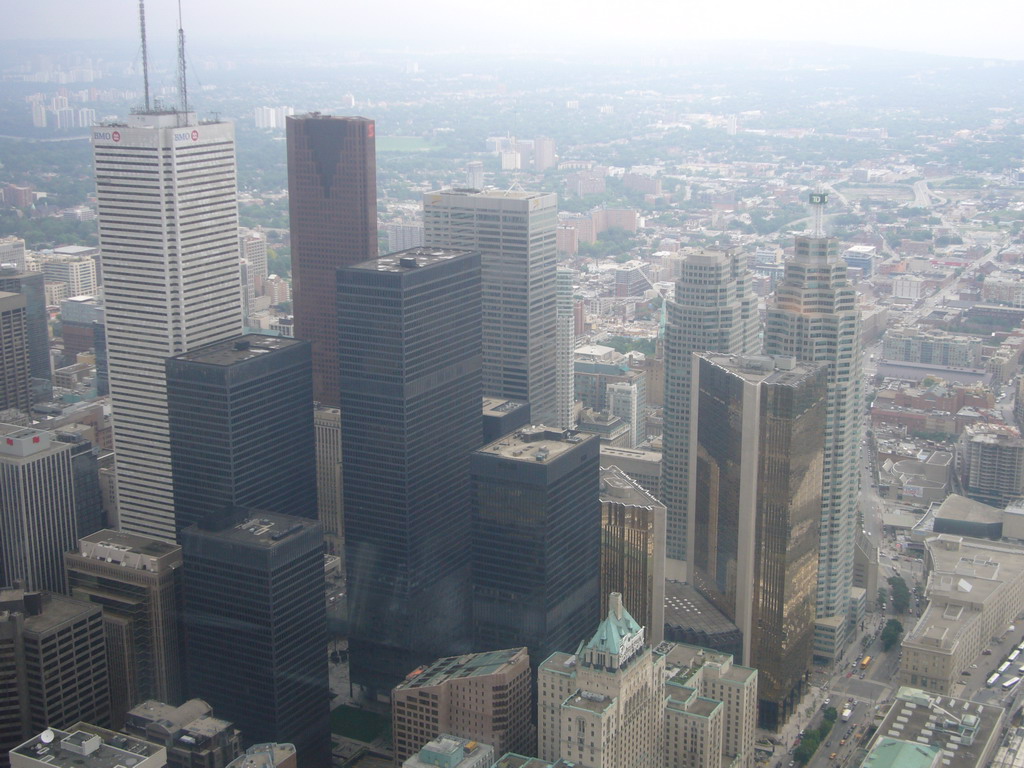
(106, 135)
(184, 136)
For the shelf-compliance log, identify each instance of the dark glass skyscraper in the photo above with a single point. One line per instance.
(256, 627)
(536, 540)
(409, 326)
(332, 200)
(241, 424)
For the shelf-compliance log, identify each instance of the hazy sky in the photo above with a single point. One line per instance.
(979, 28)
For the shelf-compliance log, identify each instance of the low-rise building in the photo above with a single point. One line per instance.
(452, 752)
(86, 746)
(193, 737)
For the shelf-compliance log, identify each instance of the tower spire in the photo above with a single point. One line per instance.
(182, 82)
(145, 61)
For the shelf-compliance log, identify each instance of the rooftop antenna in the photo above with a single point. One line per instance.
(145, 60)
(818, 201)
(182, 84)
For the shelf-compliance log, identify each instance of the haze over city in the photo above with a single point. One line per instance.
(512, 386)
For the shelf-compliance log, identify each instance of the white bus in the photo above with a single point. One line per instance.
(1010, 683)
(1013, 656)
(992, 680)
(1003, 667)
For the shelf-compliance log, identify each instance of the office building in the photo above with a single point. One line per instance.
(813, 317)
(633, 549)
(402, 236)
(240, 413)
(15, 373)
(514, 231)
(332, 200)
(37, 508)
(256, 627)
(595, 369)
(565, 341)
(536, 540)
(35, 629)
(252, 246)
(78, 317)
(410, 399)
(711, 714)
(483, 696)
(84, 745)
(30, 285)
(12, 253)
(756, 466)
(329, 496)
(714, 310)
(160, 167)
(605, 706)
(192, 736)
(137, 581)
(642, 465)
(78, 273)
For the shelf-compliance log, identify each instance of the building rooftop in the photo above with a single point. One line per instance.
(466, 665)
(56, 611)
(618, 634)
(410, 259)
(89, 746)
(589, 701)
(498, 406)
(512, 760)
(535, 444)
(132, 550)
(492, 193)
(167, 720)
(962, 730)
(263, 756)
(956, 507)
(256, 528)
(618, 487)
(896, 753)
(763, 368)
(238, 349)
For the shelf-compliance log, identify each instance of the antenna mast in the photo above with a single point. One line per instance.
(145, 61)
(182, 84)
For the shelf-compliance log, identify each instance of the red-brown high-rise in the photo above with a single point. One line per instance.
(332, 188)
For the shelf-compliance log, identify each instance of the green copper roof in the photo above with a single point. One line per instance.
(613, 630)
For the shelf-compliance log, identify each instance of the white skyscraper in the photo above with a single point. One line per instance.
(714, 310)
(565, 344)
(813, 316)
(515, 234)
(168, 222)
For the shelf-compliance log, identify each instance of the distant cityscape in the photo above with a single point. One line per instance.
(465, 416)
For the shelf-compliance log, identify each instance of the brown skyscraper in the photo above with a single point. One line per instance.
(332, 188)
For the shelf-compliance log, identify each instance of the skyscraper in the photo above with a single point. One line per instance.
(536, 540)
(137, 581)
(409, 329)
(168, 288)
(633, 549)
(256, 627)
(241, 424)
(565, 344)
(37, 508)
(515, 234)
(15, 374)
(332, 199)
(757, 463)
(30, 285)
(329, 497)
(714, 310)
(813, 316)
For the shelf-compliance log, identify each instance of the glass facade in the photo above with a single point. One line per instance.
(332, 202)
(536, 541)
(240, 414)
(409, 325)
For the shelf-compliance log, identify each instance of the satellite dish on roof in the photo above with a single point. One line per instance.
(46, 736)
